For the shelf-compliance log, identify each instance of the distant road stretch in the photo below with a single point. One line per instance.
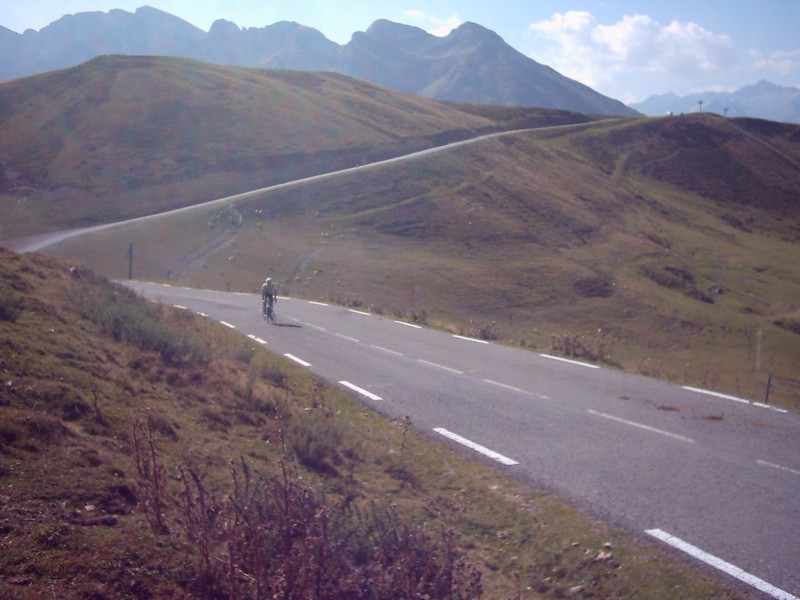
(715, 477)
(35, 243)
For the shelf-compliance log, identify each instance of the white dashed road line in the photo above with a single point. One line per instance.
(360, 312)
(516, 389)
(734, 398)
(469, 339)
(572, 362)
(228, 325)
(382, 349)
(774, 466)
(720, 564)
(317, 303)
(432, 364)
(359, 390)
(477, 447)
(509, 387)
(346, 337)
(770, 407)
(717, 394)
(641, 426)
(299, 361)
(408, 324)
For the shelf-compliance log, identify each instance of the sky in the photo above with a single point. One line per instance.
(625, 49)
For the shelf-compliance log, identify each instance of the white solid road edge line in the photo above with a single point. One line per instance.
(477, 447)
(720, 564)
(409, 324)
(572, 362)
(359, 312)
(228, 324)
(359, 390)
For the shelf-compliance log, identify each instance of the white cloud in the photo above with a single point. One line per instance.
(783, 62)
(435, 25)
(713, 89)
(415, 14)
(596, 54)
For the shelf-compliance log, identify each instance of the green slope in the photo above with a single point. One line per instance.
(663, 246)
(115, 414)
(125, 136)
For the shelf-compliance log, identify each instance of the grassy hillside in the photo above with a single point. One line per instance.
(663, 246)
(147, 452)
(119, 137)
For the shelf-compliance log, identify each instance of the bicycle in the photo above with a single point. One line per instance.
(268, 310)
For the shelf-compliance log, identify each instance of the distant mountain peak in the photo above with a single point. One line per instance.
(470, 64)
(763, 100)
(397, 32)
(221, 26)
(471, 28)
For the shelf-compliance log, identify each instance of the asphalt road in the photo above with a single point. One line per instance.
(39, 242)
(716, 477)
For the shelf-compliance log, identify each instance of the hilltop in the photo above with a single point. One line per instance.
(120, 137)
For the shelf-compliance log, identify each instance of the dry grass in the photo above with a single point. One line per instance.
(539, 239)
(120, 137)
(124, 473)
(521, 239)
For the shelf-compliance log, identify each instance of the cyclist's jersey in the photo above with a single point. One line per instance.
(268, 289)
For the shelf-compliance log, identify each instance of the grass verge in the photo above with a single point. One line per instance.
(129, 472)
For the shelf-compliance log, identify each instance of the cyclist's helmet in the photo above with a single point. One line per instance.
(269, 279)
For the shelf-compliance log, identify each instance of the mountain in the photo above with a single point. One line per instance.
(471, 64)
(763, 100)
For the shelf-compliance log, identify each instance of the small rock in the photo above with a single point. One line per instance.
(603, 556)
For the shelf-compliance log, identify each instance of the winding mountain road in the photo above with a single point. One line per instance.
(38, 242)
(715, 476)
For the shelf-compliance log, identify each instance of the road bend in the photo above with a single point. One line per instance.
(714, 477)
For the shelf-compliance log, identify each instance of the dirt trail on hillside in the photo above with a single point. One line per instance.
(196, 260)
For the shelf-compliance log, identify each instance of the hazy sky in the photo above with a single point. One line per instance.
(625, 49)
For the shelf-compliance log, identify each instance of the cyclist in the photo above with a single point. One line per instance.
(267, 294)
